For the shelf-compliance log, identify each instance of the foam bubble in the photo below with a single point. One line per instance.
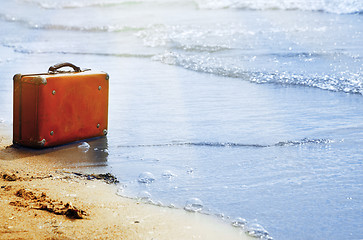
(144, 196)
(146, 177)
(194, 205)
(168, 174)
(257, 231)
(84, 146)
(239, 222)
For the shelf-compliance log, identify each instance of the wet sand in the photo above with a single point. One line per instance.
(42, 201)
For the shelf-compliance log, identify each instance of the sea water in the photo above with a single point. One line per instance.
(248, 110)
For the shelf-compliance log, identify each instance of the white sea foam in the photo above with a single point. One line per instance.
(69, 27)
(48, 4)
(239, 222)
(333, 6)
(230, 67)
(66, 4)
(257, 231)
(192, 38)
(287, 143)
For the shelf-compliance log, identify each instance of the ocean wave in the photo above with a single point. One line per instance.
(349, 82)
(108, 28)
(303, 141)
(24, 50)
(48, 26)
(218, 37)
(330, 6)
(191, 37)
(67, 4)
(121, 55)
(46, 4)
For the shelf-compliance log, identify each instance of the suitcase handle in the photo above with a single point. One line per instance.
(54, 68)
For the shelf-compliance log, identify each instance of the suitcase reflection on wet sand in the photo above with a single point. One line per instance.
(59, 107)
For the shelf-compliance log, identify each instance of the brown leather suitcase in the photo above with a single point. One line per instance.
(59, 107)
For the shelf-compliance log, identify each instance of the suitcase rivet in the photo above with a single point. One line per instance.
(53, 92)
(98, 125)
(107, 77)
(51, 133)
(104, 131)
(42, 142)
(99, 87)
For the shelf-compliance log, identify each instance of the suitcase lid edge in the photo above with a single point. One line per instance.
(41, 78)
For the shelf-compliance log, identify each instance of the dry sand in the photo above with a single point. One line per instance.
(40, 201)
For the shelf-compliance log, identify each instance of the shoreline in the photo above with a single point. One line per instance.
(41, 201)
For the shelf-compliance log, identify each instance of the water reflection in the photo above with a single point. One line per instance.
(73, 155)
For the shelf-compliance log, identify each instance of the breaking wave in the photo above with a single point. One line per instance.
(341, 81)
(330, 6)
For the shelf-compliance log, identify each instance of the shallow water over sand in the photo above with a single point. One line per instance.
(226, 105)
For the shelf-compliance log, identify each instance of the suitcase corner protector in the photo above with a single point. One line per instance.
(17, 77)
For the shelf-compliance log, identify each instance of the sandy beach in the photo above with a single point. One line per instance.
(39, 201)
